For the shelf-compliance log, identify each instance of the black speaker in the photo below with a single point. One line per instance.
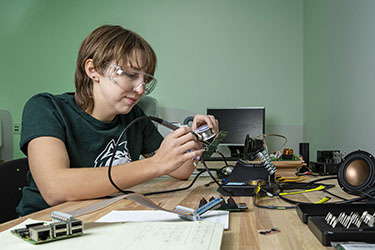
(356, 174)
(304, 151)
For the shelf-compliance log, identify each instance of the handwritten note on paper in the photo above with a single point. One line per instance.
(197, 235)
(178, 235)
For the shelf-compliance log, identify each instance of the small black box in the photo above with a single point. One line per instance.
(329, 156)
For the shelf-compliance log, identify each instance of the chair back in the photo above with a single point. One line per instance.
(13, 177)
(6, 136)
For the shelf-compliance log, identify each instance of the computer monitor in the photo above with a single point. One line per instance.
(239, 122)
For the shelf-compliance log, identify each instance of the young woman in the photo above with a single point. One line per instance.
(69, 138)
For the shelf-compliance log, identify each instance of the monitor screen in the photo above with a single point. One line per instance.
(239, 122)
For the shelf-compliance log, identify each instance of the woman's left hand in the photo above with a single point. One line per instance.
(200, 120)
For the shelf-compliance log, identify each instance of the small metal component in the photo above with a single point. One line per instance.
(363, 217)
(40, 233)
(75, 227)
(333, 219)
(335, 222)
(328, 216)
(371, 221)
(343, 219)
(341, 216)
(346, 222)
(355, 221)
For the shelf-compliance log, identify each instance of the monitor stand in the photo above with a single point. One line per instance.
(236, 152)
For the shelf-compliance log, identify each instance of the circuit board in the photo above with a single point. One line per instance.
(211, 148)
(38, 233)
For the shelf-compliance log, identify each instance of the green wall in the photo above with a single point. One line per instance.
(310, 63)
(339, 74)
(212, 53)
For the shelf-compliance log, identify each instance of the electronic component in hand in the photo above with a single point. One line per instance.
(211, 148)
(230, 205)
(38, 233)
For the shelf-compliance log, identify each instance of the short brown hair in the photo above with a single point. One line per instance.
(105, 44)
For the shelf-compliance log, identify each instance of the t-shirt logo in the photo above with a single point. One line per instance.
(122, 155)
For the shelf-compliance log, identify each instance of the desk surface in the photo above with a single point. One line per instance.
(243, 226)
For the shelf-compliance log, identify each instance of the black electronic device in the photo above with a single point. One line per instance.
(244, 179)
(304, 151)
(252, 148)
(315, 216)
(239, 122)
(328, 162)
(246, 176)
(323, 168)
(329, 156)
(228, 205)
(327, 234)
(307, 210)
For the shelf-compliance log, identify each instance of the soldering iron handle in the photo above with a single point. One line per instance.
(164, 123)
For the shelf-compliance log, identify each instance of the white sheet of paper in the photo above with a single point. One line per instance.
(215, 216)
(186, 235)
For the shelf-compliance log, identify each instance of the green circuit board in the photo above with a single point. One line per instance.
(211, 148)
(38, 233)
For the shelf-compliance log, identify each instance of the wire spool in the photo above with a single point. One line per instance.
(205, 133)
(356, 174)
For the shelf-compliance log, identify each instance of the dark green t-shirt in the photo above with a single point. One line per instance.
(89, 142)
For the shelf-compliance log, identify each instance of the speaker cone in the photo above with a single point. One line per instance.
(356, 173)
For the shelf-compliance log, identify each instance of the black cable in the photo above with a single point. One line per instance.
(166, 124)
(177, 189)
(323, 179)
(114, 153)
(213, 178)
(338, 202)
(222, 156)
(270, 206)
(303, 185)
(368, 195)
(162, 122)
(295, 185)
(220, 172)
(293, 201)
(312, 184)
(351, 200)
(273, 207)
(307, 185)
(345, 201)
(334, 195)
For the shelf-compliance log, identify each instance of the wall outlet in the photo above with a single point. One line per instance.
(16, 128)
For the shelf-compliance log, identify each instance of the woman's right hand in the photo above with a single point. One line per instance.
(177, 148)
